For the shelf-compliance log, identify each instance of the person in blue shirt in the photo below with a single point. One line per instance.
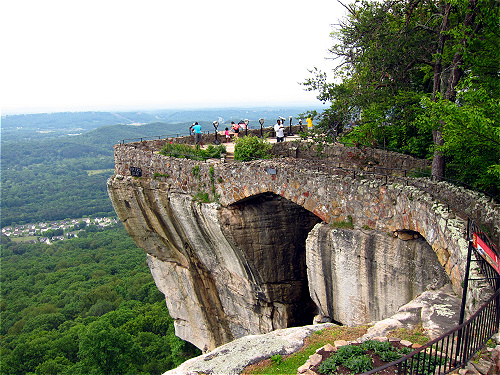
(197, 134)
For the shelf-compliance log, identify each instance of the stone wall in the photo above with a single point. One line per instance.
(349, 156)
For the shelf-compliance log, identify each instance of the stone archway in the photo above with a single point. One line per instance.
(271, 232)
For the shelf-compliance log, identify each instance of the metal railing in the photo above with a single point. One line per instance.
(454, 349)
(153, 137)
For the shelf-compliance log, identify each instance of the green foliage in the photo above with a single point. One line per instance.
(471, 130)
(193, 152)
(196, 171)
(329, 366)
(426, 363)
(348, 351)
(405, 350)
(361, 363)
(384, 350)
(251, 147)
(377, 346)
(84, 306)
(344, 224)
(160, 175)
(276, 359)
(201, 197)
(388, 355)
(350, 356)
(429, 91)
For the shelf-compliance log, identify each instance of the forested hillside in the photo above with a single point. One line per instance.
(62, 304)
(64, 177)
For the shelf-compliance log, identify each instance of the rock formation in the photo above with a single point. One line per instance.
(358, 276)
(271, 249)
(244, 269)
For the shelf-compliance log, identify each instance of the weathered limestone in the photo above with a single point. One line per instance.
(437, 311)
(232, 358)
(237, 266)
(225, 272)
(359, 276)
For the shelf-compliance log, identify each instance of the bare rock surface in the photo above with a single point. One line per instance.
(438, 311)
(232, 358)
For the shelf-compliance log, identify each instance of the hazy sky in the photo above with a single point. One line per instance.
(107, 54)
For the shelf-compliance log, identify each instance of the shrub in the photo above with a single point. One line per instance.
(277, 358)
(388, 355)
(329, 366)
(251, 147)
(377, 346)
(360, 363)
(189, 152)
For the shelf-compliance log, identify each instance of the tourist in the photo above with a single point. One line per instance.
(279, 129)
(235, 128)
(197, 134)
(228, 137)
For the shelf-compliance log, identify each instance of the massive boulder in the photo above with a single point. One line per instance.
(361, 275)
(244, 269)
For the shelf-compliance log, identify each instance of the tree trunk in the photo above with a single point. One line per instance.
(438, 162)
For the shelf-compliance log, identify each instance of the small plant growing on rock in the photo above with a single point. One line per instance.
(276, 359)
(159, 175)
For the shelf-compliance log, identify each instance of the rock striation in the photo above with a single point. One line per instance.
(268, 250)
(358, 276)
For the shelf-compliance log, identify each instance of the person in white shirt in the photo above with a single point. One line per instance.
(279, 129)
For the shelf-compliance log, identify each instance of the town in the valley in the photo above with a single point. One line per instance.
(57, 230)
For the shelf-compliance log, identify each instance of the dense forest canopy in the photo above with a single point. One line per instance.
(61, 304)
(420, 76)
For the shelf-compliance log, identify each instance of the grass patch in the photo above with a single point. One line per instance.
(415, 335)
(290, 364)
(344, 224)
(99, 171)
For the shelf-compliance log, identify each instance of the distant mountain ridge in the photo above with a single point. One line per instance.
(50, 125)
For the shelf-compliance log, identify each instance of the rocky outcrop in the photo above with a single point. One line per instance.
(358, 276)
(250, 262)
(225, 272)
(437, 312)
(245, 269)
(232, 358)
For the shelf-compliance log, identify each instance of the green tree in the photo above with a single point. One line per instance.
(107, 349)
(251, 147)
(397, 57)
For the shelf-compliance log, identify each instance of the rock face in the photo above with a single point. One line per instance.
(225, 272)
(358, 276)
(244, 269)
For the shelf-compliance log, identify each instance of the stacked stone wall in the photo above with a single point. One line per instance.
(346, 156)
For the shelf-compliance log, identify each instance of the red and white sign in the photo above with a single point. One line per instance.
(488, 254)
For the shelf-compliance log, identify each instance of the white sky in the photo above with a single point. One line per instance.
(60, 55)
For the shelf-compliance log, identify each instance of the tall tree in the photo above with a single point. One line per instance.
(394, 54)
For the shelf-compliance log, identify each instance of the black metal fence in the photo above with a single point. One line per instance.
(454, 349)
(150, 138)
